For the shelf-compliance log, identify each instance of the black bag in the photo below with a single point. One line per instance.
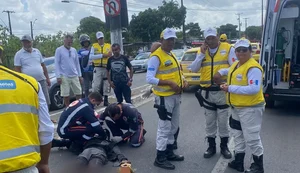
(85, 60)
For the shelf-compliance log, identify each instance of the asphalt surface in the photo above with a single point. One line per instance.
(280, 136)
(139, 79)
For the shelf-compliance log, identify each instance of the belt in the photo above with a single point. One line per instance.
(211, 88)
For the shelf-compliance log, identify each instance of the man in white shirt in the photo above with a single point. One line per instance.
(213, 56)
(30, 61)
(67, 70)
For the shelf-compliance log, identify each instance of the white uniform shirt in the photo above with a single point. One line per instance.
(94, 56)
(46, 126)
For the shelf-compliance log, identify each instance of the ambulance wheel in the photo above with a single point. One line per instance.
(270, 103)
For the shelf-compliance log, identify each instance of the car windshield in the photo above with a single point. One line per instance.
(50, 65)
(142, 56)
(178, 53)
(189, 56)
(254, 46)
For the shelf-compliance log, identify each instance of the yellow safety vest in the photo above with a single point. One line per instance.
(211, 64)
(168, 69)
(238, 76)
(101, 50)
(19, 141)
(1, 48)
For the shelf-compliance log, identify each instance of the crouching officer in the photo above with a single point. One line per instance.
(245, 97)
(78, 122)
(214, 55)
(124, 116)
(165, 75)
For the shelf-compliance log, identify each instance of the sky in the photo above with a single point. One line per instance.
(51, 16)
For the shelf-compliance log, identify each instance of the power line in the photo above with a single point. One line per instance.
(9, 22)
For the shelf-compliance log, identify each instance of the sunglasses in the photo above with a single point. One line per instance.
(241, 49)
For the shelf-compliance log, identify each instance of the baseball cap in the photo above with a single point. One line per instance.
(169, 33)
(99, 34)
(242, 43)
(210, 32)
(26, 37)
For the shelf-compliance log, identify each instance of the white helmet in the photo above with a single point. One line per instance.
(83, 38)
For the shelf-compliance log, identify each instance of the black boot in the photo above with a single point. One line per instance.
(257, 166)
(171, 156)
(162, 162)
(224, 148)
(211, 150)
(106, 103)
(61, 143)
(175, 137)
(238, 162)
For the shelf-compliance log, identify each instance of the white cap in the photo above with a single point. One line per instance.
(169, 33)
(26, 37)
(99, 34)
(210, 32)
(242, 43)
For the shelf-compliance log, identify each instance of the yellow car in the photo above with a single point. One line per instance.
(187, 59)
(255, 51)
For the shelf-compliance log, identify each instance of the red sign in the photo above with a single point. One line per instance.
(112, 7)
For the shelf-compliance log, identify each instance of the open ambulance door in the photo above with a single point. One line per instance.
(268, 50)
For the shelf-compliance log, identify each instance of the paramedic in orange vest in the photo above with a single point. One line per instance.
(25, 125)
(165, 75)
(100, 52)
(247, 103)
(213, 56)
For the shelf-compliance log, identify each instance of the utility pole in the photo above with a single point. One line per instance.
(246, 25)
(183, 26)
(240, 23)
(31, 29)
(9, 22)
(262, 15)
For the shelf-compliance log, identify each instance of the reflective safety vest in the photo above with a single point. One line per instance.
(101, 50)
(211, 64)
(19, 103)
(1, 48)
(169, 69)
(238, 76)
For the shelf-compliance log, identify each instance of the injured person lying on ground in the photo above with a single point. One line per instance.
(124, 116)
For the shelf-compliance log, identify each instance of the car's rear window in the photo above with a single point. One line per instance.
(254, 46)
(189, 56)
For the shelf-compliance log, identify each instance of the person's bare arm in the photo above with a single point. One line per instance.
(43, 165)
(45, 71)
(18, 69)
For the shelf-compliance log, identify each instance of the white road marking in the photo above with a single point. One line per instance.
(102, 109)
(222, 163)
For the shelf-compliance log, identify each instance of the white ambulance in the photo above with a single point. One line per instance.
(280, 54)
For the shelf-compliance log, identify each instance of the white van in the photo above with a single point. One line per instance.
(280, 54)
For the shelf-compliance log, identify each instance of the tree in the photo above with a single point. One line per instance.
(229, 29)
(172, 15)
(254, 32)
(147, 25)
(91, 25)
(194, 30)
(10, 44)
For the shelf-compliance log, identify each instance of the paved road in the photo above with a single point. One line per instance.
(280, 135)
(139, 79)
